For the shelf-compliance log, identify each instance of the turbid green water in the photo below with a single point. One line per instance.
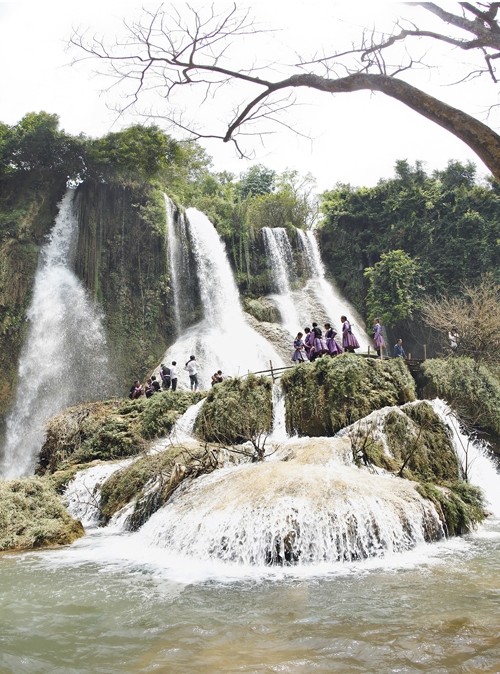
(435, 610)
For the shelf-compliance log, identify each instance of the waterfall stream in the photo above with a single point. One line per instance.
(223, 339)
(64, 359)
(333, 303)
(280, 256)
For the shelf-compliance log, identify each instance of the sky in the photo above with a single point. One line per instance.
(352, 138)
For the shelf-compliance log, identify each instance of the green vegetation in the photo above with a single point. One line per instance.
(472, 390)
(446, 225)
(238, 410)
(331, 393)
(32, 516)
(150, 480)
(111, 429)
(460, 505)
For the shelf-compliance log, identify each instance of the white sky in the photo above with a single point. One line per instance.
(353, 138)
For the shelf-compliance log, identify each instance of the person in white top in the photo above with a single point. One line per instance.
(173, 375)
(192, 368)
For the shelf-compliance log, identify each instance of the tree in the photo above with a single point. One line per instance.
(475, 313)
(392, 287)
(165, 52)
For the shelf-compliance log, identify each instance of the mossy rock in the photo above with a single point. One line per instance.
(324, 396)
(459, 504)
(111, 429)
(263, 309)
(151, 480)
(421, 444)
(32, 516)
(237, 410)
(472, 390)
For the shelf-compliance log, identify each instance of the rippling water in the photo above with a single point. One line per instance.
(84, 609)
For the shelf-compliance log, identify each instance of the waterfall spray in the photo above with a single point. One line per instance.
(64, 359)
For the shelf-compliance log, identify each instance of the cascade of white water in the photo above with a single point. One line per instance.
(174, 254)
(293, 512)
(477, 462)
(223, 339)
(64, 359)
(82, 496)
(279, 433)
(182, 430)
(279, 252)
(327, 295)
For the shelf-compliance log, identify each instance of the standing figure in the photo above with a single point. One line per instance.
(453, 339)
(309, 343)
(173, 375)
(192, 368)
(349, 341)
(299, 355)
(320, 346)
(165, 377)
(334, 348)
(377, 337)
(399, 352)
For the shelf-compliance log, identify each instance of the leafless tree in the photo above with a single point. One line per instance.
(475, 313)
(166, 50)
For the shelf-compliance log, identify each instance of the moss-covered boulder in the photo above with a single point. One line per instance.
(32, 516)
(472, 390)
(150, 480)
(110, 429)
(459, 504)
(237, 410)
(331, 393)
(262, 308)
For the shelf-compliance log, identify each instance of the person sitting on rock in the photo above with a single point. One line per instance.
(217, 377)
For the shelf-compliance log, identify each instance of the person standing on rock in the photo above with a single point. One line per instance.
(349, 341)
(377, 337)
(192, 368)
(173, 375)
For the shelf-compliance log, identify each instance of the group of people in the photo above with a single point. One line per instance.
(313, 343)
(168, 376)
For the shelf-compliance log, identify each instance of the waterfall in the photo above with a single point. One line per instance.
(293, 511)
(183, 430)
(82, 496)
(64, 359)
(278, 433)
(279, 252)
(175, 260)
(474, 456)
(223, 339)
(327, 295)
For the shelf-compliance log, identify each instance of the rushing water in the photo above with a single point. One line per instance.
(223, 339)
(280, 256)
(64, 359)
(325, 292)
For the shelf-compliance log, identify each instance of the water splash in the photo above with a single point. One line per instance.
(64, 359)
(82, 495)
(282, 512)
(475, 457)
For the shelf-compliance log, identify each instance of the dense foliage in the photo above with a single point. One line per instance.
(446, 223)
